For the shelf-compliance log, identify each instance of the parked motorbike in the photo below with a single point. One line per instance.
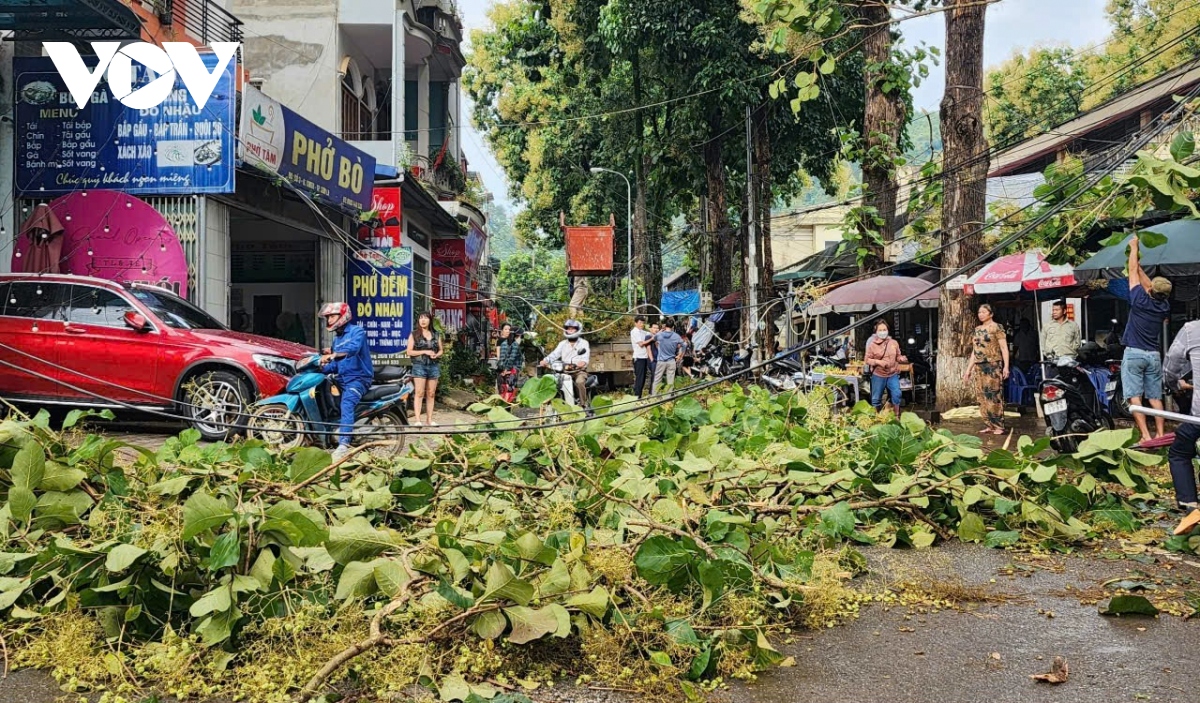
(1071, 404)
(308, 412)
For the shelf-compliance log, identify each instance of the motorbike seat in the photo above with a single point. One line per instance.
(381, 391)
(389, 374)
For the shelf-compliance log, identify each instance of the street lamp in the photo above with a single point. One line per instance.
(629, 225)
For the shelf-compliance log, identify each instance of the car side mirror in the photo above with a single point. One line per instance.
(136, 321)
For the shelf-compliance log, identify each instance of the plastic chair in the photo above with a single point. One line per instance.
(1019, 387)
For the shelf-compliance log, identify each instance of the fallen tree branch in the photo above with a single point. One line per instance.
(354, 451)
(375, 638)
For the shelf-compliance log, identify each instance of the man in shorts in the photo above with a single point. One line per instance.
(1141, 367)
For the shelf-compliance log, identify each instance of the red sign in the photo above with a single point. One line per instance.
(450, 283)
(386, 204)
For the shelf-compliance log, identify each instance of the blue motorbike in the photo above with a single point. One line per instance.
(308, 412)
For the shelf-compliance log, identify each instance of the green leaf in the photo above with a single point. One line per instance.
(661, 659)
(9, 561)
(1120, 518)
(1150, 239)
(555, 581)
(1042, 473)
(663, 561)
(529, 624)
(390, 576)
(29, 466)
(121, 557)
(838, 520)
(700, 664)
(263, 568)
(1183, 146)
(971, 528)
(225, 552)
(58, 477)
(413, 493)
(1068, 501)
(537, 391)
(1128, 605)
(172, 486)
(998, 538)
(357, 581)
(357, 540)
(217, 600)
(308, 462)
(828, 66)
(310, 530)
(203, 512)
(681, 631)
(594, 603)
(454, 595)
(529, 546)
(502, 584)
(489, 625)
(21, 502)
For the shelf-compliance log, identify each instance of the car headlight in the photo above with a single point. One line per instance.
(276, 364)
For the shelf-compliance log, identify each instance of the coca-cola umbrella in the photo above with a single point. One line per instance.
(876, 293)
(1028, 270)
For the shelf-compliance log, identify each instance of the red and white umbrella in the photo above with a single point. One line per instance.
(1028, 270)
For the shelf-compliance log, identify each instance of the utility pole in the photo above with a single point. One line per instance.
(752, 237)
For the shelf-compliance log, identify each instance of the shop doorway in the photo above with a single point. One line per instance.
(273, 277)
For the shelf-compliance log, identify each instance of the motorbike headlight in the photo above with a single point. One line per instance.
(276, 364)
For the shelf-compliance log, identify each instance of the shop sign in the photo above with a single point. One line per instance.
(450, 283)
(280, 141)
(379, 292)
(175, 147)
(386, 203)
(476, 242)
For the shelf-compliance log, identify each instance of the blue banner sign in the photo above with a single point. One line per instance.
(379, 292)
(173, 148)
(280, 141)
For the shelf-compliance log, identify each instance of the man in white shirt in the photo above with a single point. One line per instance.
(640, 340)
(574, 352)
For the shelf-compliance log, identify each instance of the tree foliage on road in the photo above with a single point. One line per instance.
(659, 552)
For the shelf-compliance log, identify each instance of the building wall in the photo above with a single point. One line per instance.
(797, 237)
(214, 272)
(293, 47)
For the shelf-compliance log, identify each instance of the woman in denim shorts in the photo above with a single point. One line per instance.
(425, 348)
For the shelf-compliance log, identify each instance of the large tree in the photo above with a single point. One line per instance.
(964, 207)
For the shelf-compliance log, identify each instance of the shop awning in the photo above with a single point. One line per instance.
(1180, 256)
(417, 198)
(827, 263)
(1028, 270)
(876, 293)
(50, 20)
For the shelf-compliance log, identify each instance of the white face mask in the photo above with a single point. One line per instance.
(881, 335)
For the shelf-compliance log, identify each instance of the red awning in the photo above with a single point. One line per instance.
(732, 300)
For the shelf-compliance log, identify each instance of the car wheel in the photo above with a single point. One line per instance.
(387, 427)
(279, 427)
(217, 403)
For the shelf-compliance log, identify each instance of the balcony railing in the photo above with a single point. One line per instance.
(202, 20)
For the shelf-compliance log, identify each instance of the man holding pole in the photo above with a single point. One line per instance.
(1141, 367)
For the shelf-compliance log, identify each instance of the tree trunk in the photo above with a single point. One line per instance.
(884, 118)
(647, 248)
(964, 207)
(719, 234)
(762, 189)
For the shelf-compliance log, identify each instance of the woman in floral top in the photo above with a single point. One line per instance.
(990, 368)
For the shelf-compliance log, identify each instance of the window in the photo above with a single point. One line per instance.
(420, 286)
(410, 111)
(89, 305)
(33, 299)
(176, 312)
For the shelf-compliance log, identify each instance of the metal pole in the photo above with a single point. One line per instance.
(752, 236)
(1165, 414)
(628, 226)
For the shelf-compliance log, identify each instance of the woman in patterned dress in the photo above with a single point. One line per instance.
(990, 368)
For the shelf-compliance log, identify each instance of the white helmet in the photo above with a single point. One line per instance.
(568, 325)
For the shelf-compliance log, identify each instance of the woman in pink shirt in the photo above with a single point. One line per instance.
(883, 359)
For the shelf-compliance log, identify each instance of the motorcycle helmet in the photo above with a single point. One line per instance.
(568, 326)
(339, 311)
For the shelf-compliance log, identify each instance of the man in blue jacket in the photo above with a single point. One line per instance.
(350, 359)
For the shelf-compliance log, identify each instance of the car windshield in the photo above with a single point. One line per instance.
(176, 312)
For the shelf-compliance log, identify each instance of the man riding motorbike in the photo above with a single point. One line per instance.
(575, 353)
(350, 359)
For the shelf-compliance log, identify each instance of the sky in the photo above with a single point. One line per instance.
(1012, 25)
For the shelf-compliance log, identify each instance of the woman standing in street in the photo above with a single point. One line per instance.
(425, 348)
(883, 358)
(990, 368)
(509, 358)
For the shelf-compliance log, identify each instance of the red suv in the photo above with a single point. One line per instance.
(89, 342)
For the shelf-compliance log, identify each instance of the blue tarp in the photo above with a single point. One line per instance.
(684, 302)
